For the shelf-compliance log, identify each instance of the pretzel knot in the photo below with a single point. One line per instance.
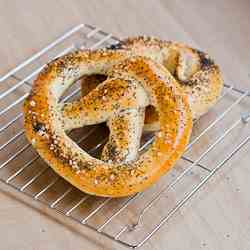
(132, 84)
(196, 72)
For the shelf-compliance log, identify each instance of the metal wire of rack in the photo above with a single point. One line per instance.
(127, 219)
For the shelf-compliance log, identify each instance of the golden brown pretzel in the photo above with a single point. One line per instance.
(198, 75)
(132, 83)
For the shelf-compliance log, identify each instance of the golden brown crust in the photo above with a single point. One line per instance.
(196, 72)
(45, 129)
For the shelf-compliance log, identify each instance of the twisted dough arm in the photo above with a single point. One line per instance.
(103, 102)
(125, 134)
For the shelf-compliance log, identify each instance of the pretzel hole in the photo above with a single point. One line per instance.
(151, 114)
(85, 84)
(91, 138)
(90, 82)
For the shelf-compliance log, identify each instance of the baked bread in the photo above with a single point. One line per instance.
(132, 84)
(199, 77)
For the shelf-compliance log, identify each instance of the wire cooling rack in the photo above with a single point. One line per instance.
(216, 137)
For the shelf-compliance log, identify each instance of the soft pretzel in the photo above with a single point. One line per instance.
(198, 75)
(132, 83)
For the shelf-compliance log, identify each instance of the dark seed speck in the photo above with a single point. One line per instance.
(38, 126)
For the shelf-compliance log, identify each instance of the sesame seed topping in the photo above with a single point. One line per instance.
(32, 103)
(41, 132)
(105, 167)
(96, 181)
(75, 167)
(132, 172)
(160, 134)
(33, 141)
(112, 177)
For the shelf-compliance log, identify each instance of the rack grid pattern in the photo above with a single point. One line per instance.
(121, 220)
